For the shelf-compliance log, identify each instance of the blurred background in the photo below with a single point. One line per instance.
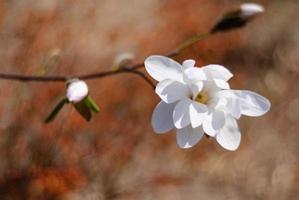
(117, 155)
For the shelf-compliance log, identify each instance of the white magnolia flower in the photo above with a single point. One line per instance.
(76, 90)
(250, 9)
(199, 100)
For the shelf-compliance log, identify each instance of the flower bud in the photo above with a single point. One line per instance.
(238, 18)
(123, 60)
(76, 91)
(250, 9)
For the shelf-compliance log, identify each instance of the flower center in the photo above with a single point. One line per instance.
(201, 98)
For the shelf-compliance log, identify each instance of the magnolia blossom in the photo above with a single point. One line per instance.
(76, 91)
(199, 100)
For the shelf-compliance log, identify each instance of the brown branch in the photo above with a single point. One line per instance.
(187, 43)
(25, 78)
(229, 21)
(130, 69)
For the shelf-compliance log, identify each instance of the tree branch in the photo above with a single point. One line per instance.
(130, 69)
(229, 21)
(25, 78)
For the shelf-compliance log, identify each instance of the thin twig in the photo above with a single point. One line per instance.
(25, 78)
(141, 75)
(130, 69)
(187, 43)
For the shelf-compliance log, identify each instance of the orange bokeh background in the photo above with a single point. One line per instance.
(117, 155)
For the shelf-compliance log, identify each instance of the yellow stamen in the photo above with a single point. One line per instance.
(201, 98)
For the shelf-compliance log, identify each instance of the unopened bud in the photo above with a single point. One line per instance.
(122, 60)
(76, 90)
(250, 9)
(238, 18)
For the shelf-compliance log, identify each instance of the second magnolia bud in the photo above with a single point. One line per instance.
(250, 9)
(76, 90)
(238, 18)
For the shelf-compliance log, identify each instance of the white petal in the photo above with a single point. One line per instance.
(233, 107)
(162, 117)
(222, 84)
(188, 137)
(76, 91)
(214, 122)
(193, 75)
(188, 63)
(228, 103)
(217, 72)
(161, 67)
(196, 87)
(198, 112)
(181, 116)
(171, 91)
(252, 104)
(229, 137)
(210, 88)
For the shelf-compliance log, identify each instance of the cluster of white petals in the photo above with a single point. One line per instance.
(76, 91)
(199, 100)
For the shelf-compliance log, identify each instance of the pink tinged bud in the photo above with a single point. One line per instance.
(251, 9)
(76, 91)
